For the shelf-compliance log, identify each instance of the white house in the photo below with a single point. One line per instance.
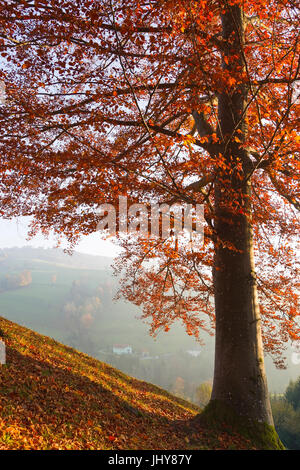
(194, 352)
(122, 349)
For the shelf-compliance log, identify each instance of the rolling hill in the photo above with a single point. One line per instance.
(74, 305)
(40, 305)
(54, 397)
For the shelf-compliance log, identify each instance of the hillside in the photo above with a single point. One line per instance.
(54, 397)
(41, 305)
(64, 289)
(75, 307)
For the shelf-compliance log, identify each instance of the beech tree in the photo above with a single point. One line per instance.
(179, 102)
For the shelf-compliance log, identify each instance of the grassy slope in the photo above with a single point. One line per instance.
(53, 397)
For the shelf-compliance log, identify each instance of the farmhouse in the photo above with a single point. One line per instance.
(194, 352)
(122, 349)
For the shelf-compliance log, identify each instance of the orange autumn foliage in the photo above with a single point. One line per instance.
(101, 99)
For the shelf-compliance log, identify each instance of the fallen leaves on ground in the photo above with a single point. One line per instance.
(54, 397)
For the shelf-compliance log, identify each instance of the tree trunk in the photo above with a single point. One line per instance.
(239, 375)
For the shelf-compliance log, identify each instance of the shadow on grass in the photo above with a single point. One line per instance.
(40, 394)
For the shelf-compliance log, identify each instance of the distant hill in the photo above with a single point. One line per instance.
(54, 256)
(54, 397)
(70, 298)
(75, 305)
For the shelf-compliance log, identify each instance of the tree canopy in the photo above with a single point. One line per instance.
(112, 97)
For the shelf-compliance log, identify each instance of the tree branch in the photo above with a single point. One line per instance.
(203, 127)
(292, 200)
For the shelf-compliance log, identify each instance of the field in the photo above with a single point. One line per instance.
(39, 305)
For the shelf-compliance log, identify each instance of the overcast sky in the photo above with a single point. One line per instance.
(14, 233)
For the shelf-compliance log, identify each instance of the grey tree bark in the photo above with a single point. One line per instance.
(239, 375)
